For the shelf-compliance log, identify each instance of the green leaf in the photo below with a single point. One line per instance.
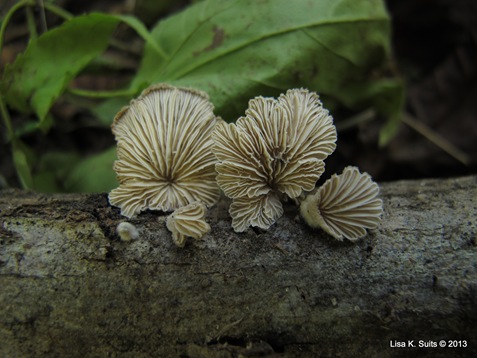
(21, 162)
(52, 169)
(139, 27)
(107, 110)
(387, 98)
(236, 50)
(391, 103)
(46, 182)
(93, 174)
(40, 75)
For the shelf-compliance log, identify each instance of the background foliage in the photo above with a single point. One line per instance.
(234, 50)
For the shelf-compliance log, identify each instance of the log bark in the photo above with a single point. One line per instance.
(69, 287)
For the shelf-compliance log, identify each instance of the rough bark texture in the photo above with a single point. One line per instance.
(70, 288)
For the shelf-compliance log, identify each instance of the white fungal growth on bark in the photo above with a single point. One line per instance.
(127, 231)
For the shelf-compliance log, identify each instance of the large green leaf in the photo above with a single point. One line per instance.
(93, 174)
(52, 169)
(236, 50)
(40, 75)
(385, 95)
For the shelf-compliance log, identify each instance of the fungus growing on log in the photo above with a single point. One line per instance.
(276, 151)
(163, 149)
(188, 221)
(345, 205)
(127, 231)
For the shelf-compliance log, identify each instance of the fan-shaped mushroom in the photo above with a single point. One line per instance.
(345, 205)
(276, 150)
(164, 157)
(188, 221)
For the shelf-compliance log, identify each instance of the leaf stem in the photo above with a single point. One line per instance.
(57, 10)
(437, 139)
(3, 109)
(31, 23)
(9, 15)
(101, 94)
(43, 17)
(143, 32)
(357, 119)
(6, 119)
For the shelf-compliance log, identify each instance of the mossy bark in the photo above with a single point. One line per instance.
(70, 288)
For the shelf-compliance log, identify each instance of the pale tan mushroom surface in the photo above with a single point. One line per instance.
(276, 150)
(188, 221)
(345, 205)
(163, 149)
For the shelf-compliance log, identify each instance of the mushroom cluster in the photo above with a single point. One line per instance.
(277, 150)
(163, 149)
(175, 154)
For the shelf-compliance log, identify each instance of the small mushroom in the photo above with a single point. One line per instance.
(164, 157)
(345, 205)
(259, 211)
(127, 231)
(188, 221)
(276, 150)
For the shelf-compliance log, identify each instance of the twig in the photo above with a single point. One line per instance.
(361, 117)
(437, 139)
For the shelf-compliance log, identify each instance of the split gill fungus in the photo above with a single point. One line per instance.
(174, 154)
(345, 205)
(276, 150)
(163, 149)
(188, 221)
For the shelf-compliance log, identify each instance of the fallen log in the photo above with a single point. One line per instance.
(69, 287)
